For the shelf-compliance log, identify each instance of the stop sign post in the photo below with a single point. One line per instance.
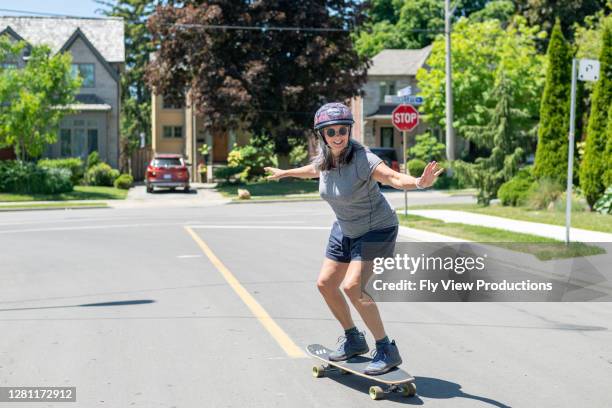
(405, 118)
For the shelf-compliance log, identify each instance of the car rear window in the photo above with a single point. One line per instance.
(167, 161)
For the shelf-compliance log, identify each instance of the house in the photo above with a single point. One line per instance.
(391, 71)
(177, 129)
(98, 56)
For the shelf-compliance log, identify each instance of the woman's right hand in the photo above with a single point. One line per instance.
(276, 173)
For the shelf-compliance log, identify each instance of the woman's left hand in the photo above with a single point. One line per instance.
(430, 174)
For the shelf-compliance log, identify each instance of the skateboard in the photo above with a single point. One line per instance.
(396, 380)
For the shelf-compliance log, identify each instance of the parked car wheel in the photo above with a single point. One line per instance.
(187, 189)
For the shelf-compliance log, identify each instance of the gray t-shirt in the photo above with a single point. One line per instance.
(355, 197)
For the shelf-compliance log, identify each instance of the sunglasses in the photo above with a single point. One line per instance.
(330, 132)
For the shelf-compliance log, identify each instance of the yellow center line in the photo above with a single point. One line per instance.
(260, 313)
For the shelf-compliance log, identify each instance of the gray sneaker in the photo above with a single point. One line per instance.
(384, 359)
(350, 346)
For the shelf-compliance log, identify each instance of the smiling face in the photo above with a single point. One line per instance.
(337, 137)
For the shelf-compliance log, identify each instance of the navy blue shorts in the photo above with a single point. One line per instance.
(345, 249)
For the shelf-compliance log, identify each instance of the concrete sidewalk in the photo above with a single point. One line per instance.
(533, 228)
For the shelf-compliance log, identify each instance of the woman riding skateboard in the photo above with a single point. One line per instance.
(348, 174)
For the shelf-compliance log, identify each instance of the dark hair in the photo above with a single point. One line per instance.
(324, 160)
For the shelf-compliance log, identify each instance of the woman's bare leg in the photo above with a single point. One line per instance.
(364, 304)
(331, 276)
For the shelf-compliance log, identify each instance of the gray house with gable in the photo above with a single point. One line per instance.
(98, 56)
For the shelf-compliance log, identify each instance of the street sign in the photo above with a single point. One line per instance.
(405, 118)
(588, 70)
(411, 99)
(405, 91)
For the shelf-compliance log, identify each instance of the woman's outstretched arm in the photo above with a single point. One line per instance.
(383, 174)
(304, 172)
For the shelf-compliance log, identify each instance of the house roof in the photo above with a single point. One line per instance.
(106, 34)
(398, 62)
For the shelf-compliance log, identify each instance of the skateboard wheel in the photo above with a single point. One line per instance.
(318, 371)
(409, 390)
(376, 392)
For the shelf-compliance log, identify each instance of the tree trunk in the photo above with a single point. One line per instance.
(283, 163)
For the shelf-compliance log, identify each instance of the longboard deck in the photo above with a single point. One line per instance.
(356, 365)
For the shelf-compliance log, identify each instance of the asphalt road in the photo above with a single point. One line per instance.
(144, 308)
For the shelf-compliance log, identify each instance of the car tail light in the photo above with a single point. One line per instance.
(395, 165)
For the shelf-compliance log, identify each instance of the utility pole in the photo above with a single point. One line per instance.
(450, 135)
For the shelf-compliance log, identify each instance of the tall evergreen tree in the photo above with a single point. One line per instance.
(551, 152)
(608, 152)
(502, 137)
(595, 162)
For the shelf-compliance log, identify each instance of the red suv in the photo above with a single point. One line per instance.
(167, 170)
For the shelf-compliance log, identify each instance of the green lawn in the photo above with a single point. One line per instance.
(273, 189)
(507, 239)
(79, 193)
(580, 219)
(39, 206)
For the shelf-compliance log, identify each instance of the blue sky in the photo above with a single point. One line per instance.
(80, 8)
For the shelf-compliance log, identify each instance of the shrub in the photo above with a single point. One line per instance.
(544, 192)
(604, 204)
(227, 172)
(578, 204)
(72, 164)
(92, 159)
(515, 192)
(252, 157)
(445, 181)
(58, 180)
(298, 155)
(124, 182)
(101, 174)
(28, 178)
(416, 167)
(427, 148)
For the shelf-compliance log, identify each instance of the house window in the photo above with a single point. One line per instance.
(386, 88)
(386, 137)
(168, 104)
(86, 72)
(173, 132)
(78, 138)
(92, 140)
(65, 142)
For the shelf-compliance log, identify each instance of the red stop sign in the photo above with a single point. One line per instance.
(405, 118)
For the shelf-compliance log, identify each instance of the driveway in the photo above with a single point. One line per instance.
(200, 195)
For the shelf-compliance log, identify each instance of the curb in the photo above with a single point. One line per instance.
(298, 200)
(9, 209)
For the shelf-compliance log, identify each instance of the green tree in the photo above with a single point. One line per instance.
(502, 139)
(478, 50)
(501, 10)
(400, 24)
(33, 98)
(551, 153)
(543, 13)
(608, 152)
(267, 81)
(135, 95)
(595, 163)
(427, 148)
